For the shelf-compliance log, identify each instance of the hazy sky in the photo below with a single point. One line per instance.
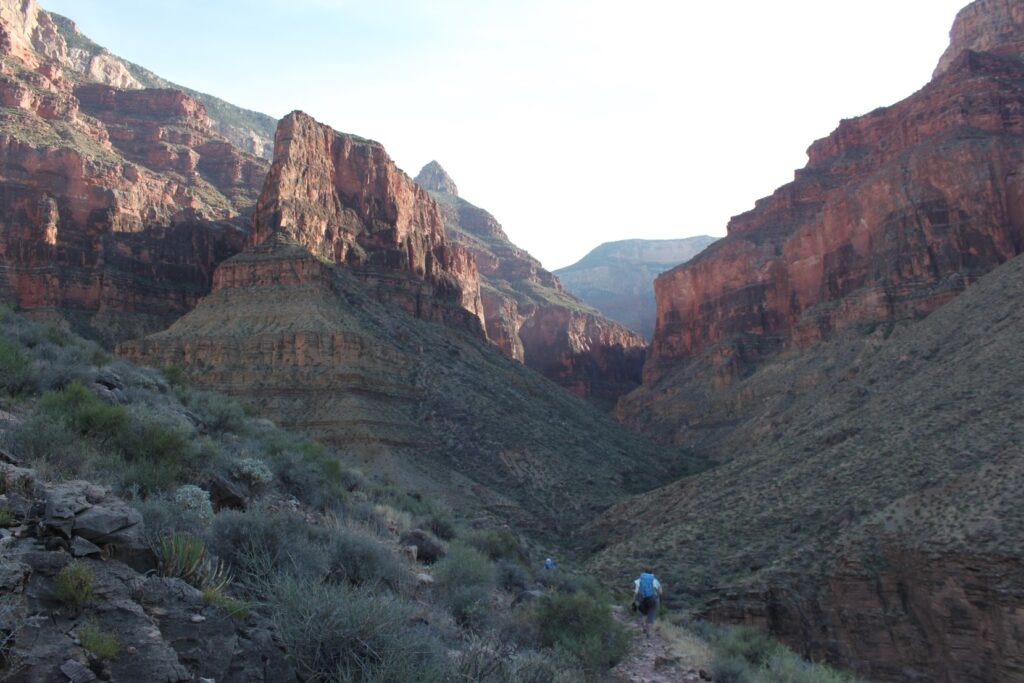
(574, 122)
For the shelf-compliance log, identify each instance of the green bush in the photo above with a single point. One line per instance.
(754, 646)
(340, 633)
(731, 669)
(464, 580)
(101, 644)
(74, 584)
(497, 544)
(219, 413)
(258, 544)
(583, 627)
(16, 373)
(84, 413)
(357, 558)
(512, 576)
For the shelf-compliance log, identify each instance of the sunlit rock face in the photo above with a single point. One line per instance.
(118, 203)
(343, 198)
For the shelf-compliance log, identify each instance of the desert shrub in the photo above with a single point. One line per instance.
(62, 366)
(512, 576)
(754, 646)
(213, 595)
(583, 627)
(357, 558)
(74, 584)
(83, 413)
(195, 501)
(495, 661)
(253, 471)
(6, 518)
(497, 544)
(464, 580)
(174, 375)
(340, 633)
(308, 475)
(258, 543)
(441, 523)
(731, 669)
(101, 644)
(219, 413)
(16, 372)
(162, 516)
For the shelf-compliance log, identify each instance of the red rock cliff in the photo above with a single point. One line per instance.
(118, 204)
(528, 313)
(895, 213)
(343, 198)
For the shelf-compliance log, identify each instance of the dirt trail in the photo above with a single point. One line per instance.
(659, 658)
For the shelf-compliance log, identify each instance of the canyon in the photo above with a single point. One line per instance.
(847, 356)
(617, 277)
(528, 312)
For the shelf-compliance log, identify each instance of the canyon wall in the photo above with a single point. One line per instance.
(117, 204)
(528, 313)
(343, 198)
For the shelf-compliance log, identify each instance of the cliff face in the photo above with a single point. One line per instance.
(528, 313)
(844, 355)
(118, 204)
(343, 198)
(617, 278)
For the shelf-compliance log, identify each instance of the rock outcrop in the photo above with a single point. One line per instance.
(118, 204)
(895, 214)
(343, 198)
(993, 26)
(617, 278)
(164, 627)
(528, 313)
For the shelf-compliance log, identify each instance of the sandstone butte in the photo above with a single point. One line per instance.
(344, 199)
(528, 313)
(895, 213)
(118, 204)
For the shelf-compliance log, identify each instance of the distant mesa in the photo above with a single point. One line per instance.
(617, 278)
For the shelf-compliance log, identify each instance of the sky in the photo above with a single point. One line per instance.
(575, 122)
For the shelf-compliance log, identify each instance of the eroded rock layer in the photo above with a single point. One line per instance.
(343, 198)
(308, 345)
(117, 204)
(528, 313)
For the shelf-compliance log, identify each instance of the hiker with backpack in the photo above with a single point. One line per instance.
(647, 597)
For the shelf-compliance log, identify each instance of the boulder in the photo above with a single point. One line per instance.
(226, 494)
(428, 548)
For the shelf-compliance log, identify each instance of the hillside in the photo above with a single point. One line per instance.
(305, 343)
(617, 278)
(868, 512)
(528, 313)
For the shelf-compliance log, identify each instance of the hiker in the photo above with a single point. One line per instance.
(549, 565)
(647, 597)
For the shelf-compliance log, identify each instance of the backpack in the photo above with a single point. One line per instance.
(646, 589)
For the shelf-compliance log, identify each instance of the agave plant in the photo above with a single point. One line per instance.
(184, 556)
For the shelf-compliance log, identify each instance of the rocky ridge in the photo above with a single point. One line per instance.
(343, 198)
(117, 203)
(528, 313)
(617, 278)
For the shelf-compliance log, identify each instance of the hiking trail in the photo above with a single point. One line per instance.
(668, 656)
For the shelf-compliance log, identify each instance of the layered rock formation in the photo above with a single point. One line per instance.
(343, 198)
(528, 313)
(896, 213)
(869, 513)
(306, 343)
(847, 355)
(617, 278)
(118, 204)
